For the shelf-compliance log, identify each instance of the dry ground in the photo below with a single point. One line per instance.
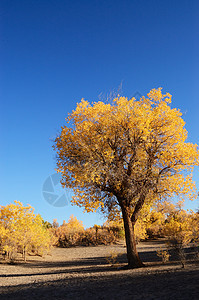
(83, 273)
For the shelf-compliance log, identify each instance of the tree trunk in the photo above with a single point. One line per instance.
(132, 254)
(24, 253)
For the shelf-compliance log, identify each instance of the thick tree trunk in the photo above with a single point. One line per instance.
(132, 254)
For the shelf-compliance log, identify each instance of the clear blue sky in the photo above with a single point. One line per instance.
(55, 52)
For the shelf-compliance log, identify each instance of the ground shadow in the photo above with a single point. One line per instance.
(173, 285)
(96, 264)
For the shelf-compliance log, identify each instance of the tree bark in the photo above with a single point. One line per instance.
(132, 254)
(24, 253)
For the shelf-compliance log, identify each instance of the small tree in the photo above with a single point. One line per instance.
(179, 231)
(21, 229)
(125, 154)
(69, 234)
(156, 218)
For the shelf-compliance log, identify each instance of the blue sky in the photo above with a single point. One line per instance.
(53, 53)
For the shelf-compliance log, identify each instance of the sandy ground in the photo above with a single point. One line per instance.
(83, 273)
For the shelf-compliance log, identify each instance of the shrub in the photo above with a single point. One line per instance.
(164, 255)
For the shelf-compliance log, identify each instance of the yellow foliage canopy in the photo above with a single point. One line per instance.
(21, 229)
(121, 149)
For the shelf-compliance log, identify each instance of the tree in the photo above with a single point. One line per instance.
(178, 229)
(124, 155)
(21, 229)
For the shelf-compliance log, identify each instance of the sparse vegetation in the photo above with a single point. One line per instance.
(112, 259)
(164, 255)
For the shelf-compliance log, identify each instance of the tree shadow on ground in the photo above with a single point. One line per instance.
(95, 264)
(94, 278)
(126, 285)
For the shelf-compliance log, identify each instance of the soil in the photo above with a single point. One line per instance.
(85, 273)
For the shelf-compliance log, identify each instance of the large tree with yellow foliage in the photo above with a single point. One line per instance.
(126, 154)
